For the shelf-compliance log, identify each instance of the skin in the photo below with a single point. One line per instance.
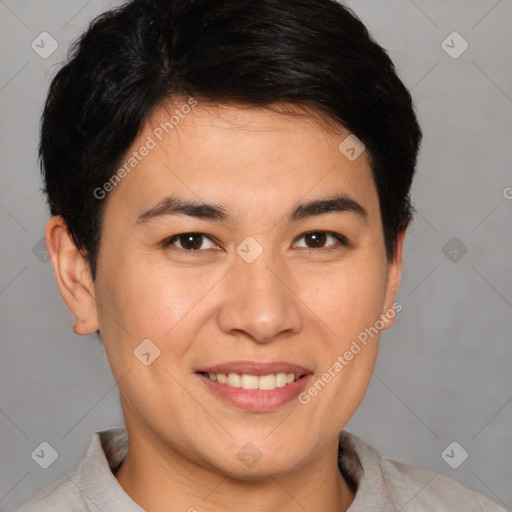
(294, 303)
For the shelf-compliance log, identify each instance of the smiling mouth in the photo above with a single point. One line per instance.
(254, 382)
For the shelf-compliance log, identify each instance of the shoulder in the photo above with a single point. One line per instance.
(91, 486)
(416, 488)
(61, 495)
(394, 485)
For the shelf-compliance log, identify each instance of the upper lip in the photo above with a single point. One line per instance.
(255, 368)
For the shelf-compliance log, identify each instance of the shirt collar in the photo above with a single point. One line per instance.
(99, 486)
(358, 462)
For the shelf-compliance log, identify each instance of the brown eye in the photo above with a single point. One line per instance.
(322, 240)
(190, 241)
(314, 240)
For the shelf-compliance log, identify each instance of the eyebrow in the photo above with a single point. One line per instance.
(175, 206)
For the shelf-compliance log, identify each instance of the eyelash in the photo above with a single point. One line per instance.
(342, 241)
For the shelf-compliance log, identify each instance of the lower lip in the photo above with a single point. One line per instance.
(254, 399)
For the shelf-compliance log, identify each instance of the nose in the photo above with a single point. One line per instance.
(260, 302)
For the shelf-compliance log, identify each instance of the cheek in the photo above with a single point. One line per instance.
(347, 299)
(143, 299)
(341, 304)
(148, 302)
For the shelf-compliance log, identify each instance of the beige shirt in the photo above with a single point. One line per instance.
(383, 485)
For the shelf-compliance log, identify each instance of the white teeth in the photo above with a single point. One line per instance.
(246, 381)
(250, 381)
(280, 380)
(234, 380)
(267, 382)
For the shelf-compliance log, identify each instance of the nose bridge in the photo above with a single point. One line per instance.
(260, 280)
(259, 303)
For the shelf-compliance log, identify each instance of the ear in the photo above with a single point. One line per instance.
(393, 281)
(73, 276)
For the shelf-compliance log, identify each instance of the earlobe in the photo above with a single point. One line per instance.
(73, 276)
(394, 275)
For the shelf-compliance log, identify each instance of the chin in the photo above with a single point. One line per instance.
(253, 461)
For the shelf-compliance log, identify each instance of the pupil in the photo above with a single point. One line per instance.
(191, 242)
(317, 238)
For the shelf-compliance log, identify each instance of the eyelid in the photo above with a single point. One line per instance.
(171, 242)
(341, 239)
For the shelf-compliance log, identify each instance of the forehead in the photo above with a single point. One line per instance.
(242, 156)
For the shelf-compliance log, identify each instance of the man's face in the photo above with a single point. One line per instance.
(263, 287)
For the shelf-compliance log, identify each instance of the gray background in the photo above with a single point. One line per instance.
(444, 369)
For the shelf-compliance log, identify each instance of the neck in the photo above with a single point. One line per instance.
(159, 480)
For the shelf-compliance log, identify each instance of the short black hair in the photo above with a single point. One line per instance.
(132, 59)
